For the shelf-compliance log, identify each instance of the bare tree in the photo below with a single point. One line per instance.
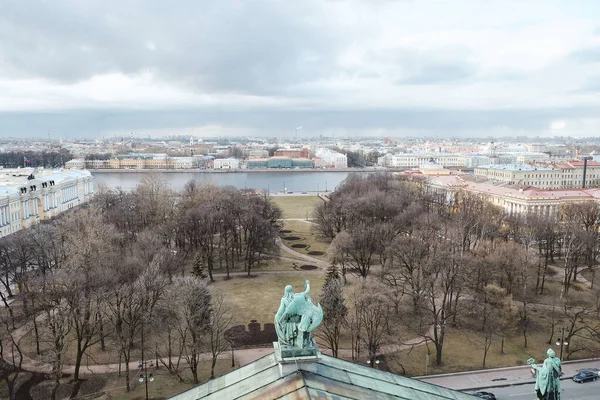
(191, 304)
(131, 297)
(58, 322)
(11, 358)
(219, 323)
(407, 257)
(90, 241)
(444, 275)
(490, 314)
(371, 302)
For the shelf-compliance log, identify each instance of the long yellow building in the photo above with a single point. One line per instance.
(30, 195)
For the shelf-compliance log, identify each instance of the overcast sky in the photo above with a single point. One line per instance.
(352, 67)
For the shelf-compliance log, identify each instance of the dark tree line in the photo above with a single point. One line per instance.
(46, 159)
(98, 156)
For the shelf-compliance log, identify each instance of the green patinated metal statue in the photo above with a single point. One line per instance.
(547, 382)
(296, 318)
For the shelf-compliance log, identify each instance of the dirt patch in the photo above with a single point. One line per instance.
(299, 246)
(285, 231)
(316, 253)
(292, 238)
(308, 267)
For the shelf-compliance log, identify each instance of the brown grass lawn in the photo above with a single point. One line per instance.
(258, 298)
(463, 350)
(297, 206)
(308, 237)
(591, 275)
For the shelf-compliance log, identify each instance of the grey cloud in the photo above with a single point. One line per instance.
(441, 73)
(94, 124)
(587, 55)
(591, 85)
(431, 66)
(239, 46)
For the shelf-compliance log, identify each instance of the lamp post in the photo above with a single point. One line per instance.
(562, 342)
(144, 378)
(376, 363)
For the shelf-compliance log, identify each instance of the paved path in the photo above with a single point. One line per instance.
(560, 275)
(316, 261)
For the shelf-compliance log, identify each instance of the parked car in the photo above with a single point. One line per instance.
(485, 395)
(584, 376)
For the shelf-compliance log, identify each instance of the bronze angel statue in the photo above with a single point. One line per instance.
(297, 317)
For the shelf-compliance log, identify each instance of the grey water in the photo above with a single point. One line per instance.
(273, 182)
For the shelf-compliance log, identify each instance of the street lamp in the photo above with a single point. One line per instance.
(376, 363)
(562, 342)
(144, 364)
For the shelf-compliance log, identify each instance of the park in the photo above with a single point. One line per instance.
(152, 292)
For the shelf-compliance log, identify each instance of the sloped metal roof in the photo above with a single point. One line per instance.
(326, 379)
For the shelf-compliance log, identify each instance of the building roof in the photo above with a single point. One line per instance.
(324, 378)
(531, 193)
(514, 167)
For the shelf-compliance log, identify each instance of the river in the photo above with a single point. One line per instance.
(274, 182)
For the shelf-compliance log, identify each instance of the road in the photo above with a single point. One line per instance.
(571, 391)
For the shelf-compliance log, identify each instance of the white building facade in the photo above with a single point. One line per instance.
(226, 163)
(28, 195)
(543, 176)
(330, 159)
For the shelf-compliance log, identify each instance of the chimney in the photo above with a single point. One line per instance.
(585, 160)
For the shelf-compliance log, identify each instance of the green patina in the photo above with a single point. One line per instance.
(547, 382)
(296, 318)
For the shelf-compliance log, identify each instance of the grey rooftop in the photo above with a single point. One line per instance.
(324, 377)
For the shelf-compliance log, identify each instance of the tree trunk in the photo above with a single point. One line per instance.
(127, 355)
(438, 354)
(78, 358)
(102, 346)
(486, 347)
(169, 349)
(212, 367)
(10, 310)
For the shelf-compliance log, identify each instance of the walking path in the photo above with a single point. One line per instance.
(296, 254)
(560, 273)
(243, 356)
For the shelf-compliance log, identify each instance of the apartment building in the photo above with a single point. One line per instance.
(415, 160)
(137, 161)
(542, 175)
(514, 200)
(292, 153)
(226, 163)
(326, 158)
(30, 195)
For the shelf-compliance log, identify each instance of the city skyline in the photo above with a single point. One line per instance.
(263, 68)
